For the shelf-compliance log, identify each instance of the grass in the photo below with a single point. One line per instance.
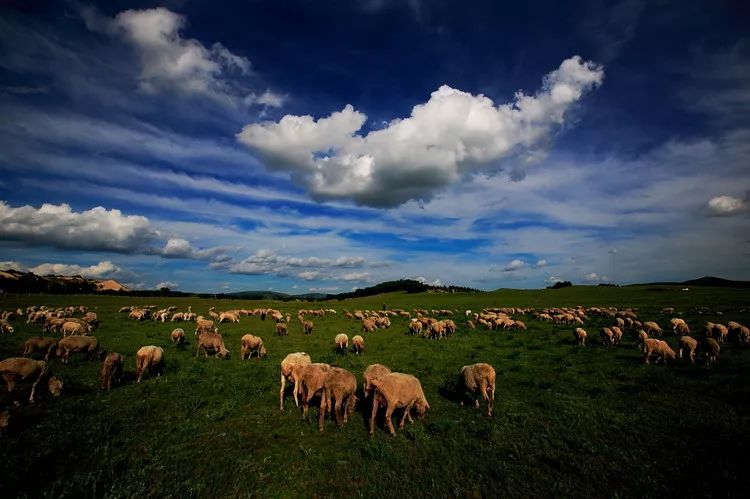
(568, 421)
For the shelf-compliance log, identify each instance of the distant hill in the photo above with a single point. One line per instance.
(259, 295)
(13, 281)
(717, 282)
(406, 285)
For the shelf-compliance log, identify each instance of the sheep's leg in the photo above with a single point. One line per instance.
(407, 410)
(388, 421)
(324, 403)
(296, 388)
(373, 413)
(339, 412)
(281, 392)
(490, 392)
(33, 387)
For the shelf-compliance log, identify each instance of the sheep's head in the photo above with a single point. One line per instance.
(422, 407)
(10, 329)
(55, 386)
(262, 352)
(223, 353)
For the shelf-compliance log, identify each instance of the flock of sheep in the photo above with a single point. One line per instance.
(334, 386)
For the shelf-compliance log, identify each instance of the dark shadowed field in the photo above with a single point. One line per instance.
(568, 421)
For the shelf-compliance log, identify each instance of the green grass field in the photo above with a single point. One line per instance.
(568, 421)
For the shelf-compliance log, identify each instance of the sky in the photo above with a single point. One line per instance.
(322, 146)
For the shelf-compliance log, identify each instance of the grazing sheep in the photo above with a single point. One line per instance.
(518, 325)
(311, 381)
(228, 317)
(339, 388)
(73, 329)
(204, 326)
(687, 346)
(79, 344)
(711, 350)
(580, 336)
(178, 335)
(479, 378)
(619, 322)
(470, 324)
(744, 335)
(290, 367)
(450, 327)
(373, 372)
(607, 336)
(640, 341)
(397, 390)
(659, 349)
(17, 369)
(415, 327)
(252, 344)
(281, 329)
(369, 325)
(5, 327)
(616, 335)
(358, 344)
(40, 344)
(307, 327)
(342, 342)
(212, 341)
(679, 326)
(720, 332)
(652, 328)
(112, 370)
(151, 357)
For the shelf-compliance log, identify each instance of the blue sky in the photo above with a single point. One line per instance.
(323, 146)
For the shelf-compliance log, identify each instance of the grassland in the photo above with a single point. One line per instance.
(568, 421)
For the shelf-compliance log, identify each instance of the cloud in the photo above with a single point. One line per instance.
(181, 248)
(167, 284)
(553, 279)
(450, 136)
(98, 271)
(594, 277)
(268, 262)
(327, 289)
(514, 265)
(267, 98)
(540, 263)
(172, 63)
(728, 205)
(424, 280)
(61, 227)
(355, 277)
(10, 265)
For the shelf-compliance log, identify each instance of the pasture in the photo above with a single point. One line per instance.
(569, 421)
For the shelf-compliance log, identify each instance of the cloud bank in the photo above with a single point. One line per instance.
(450, 136)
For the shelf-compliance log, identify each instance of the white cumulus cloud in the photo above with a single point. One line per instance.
(61, 227)
(167, 284)
(182, 248)
(727, 205)
(516, 264)
(98, 271)
(450, 136)
(594, 277)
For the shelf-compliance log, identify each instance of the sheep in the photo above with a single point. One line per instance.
(290, 366)
(658, 348)
(479, 378)
(211, 341)
(281, 329)
(415, 327)
(652, 327)
(470, 324)
(436, 330)
(397, 390)
(228, 317)
(518, 325)
(373, 372)
(73, 329)
(178, 335)
(339, 386)
(720, 332)
(369, 325)
(250, 343)
(580, 336)
(687, 346)
(679, 326)
(619, 322)
(79, 344)
(358, 344)
(616, 335)
(204, 326)
(307, 327)
(5, 327)
(342, 342)
(17, 369)
(151, 357)
(607, 336)
(640, 341)
(112, 370)
(311, 381)
(40, 343)
(711, 350)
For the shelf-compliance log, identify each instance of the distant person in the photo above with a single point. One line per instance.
(383, 306)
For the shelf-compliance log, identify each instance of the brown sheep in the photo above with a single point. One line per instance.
(679, 326)
(373, 372)
(616, 335)
(40, 344)
(711, 350)
(151, 357)
(252, 344)
(281, 329)
(369, 325)
(580, 336)
(79, 344)
(652, 328)
(307, 327)
(471, 325)
(178, 336)
(415, 327)
(358, 344)
(112, 370)
(17, 369)
(339, 388)
(687, 346)
(519, 325)
(204, 326)
(73, 329)
(479, 378)
(211, 341)
(640, 341)
(659, 349)
(450, 327)
(290, 367)
(342, 342)
(607, 336)
(397, 390)
(311, 381)
(5, 327)
(720, 332)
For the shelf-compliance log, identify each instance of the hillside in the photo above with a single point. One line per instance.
(13, 281)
